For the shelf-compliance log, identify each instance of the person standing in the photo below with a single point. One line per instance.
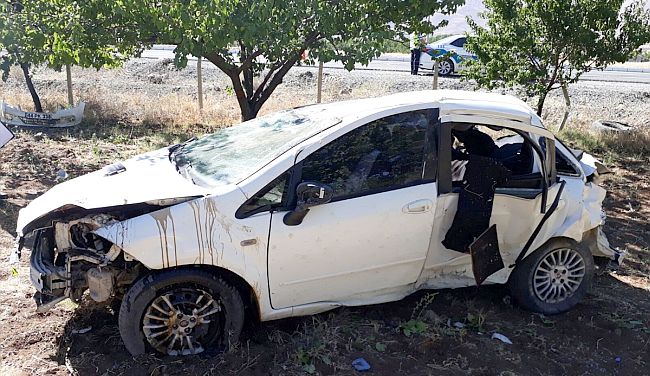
(417, 42)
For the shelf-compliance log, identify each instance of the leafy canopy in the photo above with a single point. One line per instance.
(542, 45)
(59, 32)
(272, 34)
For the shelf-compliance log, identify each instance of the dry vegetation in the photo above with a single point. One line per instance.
(148, 105)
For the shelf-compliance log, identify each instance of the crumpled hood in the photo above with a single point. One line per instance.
(143, 178)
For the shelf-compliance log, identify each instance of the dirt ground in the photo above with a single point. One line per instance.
(444, 332)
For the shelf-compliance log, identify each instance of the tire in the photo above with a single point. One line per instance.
(211, 309)
(446, 68)
(560, 289)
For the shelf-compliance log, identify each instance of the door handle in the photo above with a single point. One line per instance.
(419, 206)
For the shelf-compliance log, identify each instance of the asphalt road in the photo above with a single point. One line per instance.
(401, 66)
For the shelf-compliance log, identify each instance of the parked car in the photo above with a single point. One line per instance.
(454, 47)
(305, 210)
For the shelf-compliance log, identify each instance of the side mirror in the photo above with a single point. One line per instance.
(309, 194)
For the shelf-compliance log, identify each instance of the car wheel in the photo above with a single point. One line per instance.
(180, 312)
(554, 278)
(445, 67)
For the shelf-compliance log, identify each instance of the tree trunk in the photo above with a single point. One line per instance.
(540, 103)
(32, 90)
(567, 102)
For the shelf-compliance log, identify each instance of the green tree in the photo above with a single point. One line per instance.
(543, 45)
(64, 32)
(272, 35)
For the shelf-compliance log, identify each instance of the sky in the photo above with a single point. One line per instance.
(458, 24)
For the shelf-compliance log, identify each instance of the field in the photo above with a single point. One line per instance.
(148, 104)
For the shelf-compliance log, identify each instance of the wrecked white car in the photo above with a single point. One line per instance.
(305, 210)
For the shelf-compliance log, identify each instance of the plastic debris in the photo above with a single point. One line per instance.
(618, 360)
(361, 365)
(82, 330)
(61, 175)
(459, 325)
(501, 338)
(60, 119)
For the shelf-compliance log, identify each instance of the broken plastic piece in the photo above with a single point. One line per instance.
(5, 135)
(501, 338)
(361, 365)
(486, 256)
(60, 119)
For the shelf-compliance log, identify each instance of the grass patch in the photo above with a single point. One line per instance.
(611, 146)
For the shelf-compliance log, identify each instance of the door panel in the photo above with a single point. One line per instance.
(349, 247)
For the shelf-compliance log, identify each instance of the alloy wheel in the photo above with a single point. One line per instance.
(558, 275)
(183, 321)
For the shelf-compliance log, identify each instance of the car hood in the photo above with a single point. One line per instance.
(145, 178)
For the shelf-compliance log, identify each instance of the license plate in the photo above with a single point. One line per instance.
(37, 116)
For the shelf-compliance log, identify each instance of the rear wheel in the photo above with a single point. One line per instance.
(554, 278)
(180, 312)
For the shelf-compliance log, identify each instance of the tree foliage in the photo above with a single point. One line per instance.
(543, 45)
(271, 35)
(63, 32)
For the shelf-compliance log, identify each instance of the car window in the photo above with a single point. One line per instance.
(385, 154)
(272, 196)
(232, 154)
(563, 165)
(460, 42)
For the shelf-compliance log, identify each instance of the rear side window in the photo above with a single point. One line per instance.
(382, 155)
(460, 42)
(563, 165)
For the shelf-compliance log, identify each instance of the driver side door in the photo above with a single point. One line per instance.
(372, 237)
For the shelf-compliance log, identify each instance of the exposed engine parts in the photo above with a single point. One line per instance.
(68, 259)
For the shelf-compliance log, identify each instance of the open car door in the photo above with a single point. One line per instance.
(499, 197)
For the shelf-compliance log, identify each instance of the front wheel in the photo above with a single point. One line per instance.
(180, 312)
(445, 68)
(554, 278)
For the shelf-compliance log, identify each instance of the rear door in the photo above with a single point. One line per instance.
(372, 238)
(472, 201)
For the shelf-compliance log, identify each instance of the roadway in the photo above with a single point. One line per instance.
(393, 63)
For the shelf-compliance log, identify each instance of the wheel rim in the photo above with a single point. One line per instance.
(444, 68)
(182, 321)
(558, 275)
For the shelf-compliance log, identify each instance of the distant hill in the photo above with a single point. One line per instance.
(457, 21)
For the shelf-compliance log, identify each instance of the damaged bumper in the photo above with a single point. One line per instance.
(596, 240)
(48, 275)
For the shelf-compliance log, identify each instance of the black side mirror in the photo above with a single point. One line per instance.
(309, 194)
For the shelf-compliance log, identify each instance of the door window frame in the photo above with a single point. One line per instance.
(546, 158)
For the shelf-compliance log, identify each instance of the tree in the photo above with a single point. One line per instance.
(543, 45)
(272, 35)
(63, 32)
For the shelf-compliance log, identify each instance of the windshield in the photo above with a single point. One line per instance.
(232, 154)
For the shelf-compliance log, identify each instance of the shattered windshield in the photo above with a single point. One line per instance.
(232, 154)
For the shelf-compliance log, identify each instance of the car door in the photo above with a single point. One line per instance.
(514, 205)
(372, 237)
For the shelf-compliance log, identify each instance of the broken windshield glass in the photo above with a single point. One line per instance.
(232, 154)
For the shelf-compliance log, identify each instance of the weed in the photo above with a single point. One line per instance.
(422, 305)
(414, 327)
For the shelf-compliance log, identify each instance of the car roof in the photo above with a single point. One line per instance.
(449, 102)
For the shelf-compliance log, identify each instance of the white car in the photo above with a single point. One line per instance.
(454, 48)
(305, 210)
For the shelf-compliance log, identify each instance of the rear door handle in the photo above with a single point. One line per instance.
(419, 206)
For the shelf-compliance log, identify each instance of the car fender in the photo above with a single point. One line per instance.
(197, 232)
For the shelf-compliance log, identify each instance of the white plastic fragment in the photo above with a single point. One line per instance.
(5, 135)
(82, 330)
(501, 338)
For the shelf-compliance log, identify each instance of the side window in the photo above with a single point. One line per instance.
(385, 154)
(460, 42)
(563, 165)
(272, 196)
